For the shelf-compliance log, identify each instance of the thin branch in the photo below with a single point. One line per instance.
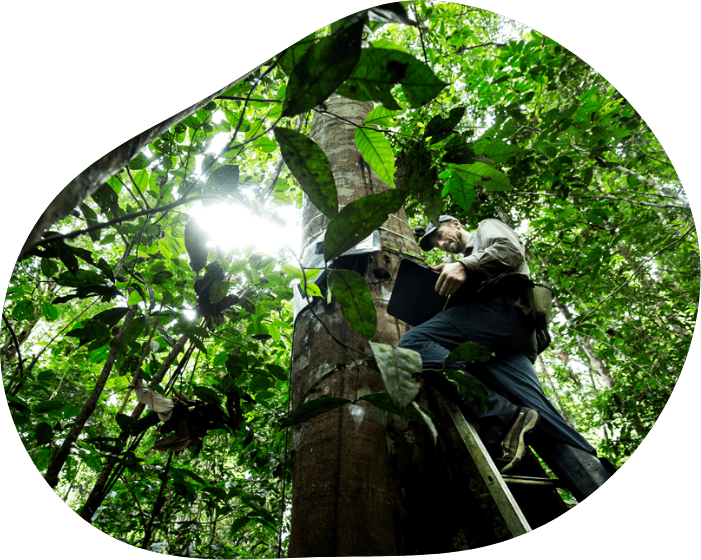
(645, 370)
(119, 220)
(421, 35)
(136, 500)
(14, 339)
(614, 198)
(463, 49)
(136, 186)
(253, 99)
(624, 284)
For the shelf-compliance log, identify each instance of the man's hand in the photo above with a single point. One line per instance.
(453, 275)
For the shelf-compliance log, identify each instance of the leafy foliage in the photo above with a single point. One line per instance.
(470, 122)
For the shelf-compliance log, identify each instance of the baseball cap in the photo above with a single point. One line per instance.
(425, 242)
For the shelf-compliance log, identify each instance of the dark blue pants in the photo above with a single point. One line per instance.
(510, 381)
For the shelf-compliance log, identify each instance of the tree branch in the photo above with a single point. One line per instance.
(624, 284)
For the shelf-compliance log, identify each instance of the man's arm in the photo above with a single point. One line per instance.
(502, 252)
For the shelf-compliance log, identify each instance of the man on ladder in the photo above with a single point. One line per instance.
(489, 311)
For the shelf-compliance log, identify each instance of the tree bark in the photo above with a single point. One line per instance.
(58, 461)
(347, 464)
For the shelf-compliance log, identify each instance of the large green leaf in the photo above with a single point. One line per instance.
(23, 310)
(392, 12)
(484, 175)
(381, 116)
(470, 389)
(289, 58)
(377, 151)
(469, 352)
(378, 70)
(196, 244)
(310, 409)
(322, 68)
(223, 180)
(359, 219)
(384, 402)
(439, 128)
(461, 191)
(310, 166)
(352, 293)
(398, 366)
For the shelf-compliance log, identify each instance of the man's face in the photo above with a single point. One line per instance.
(449, 237)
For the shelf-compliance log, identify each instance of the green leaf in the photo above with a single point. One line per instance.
(223, 180)
(48, 267)
(196, 244)
(469, 352)
(359, 219)
(47, 406)
(133, 330)
(43, 433)
(238, 525)
(49, 311)
(126, 423)
(427, 420)
(79, 279)
(309, 410)
(297, 273)
(134, 298)
(110, 317)
(439, 128)
(393, 12)
(398, 366)
(205, 394)
(384, 402)
(140, 161)
(289, 58)
(461, 191)
(277, 371)
(484, 175)
(470, 389)
(91, 220)
(312, 289)
(352, 293)
(99, 355)
(218, 290)
(381, 116)
(378, 70)
(377, 151)
(310, 166)
(91, 331)
(322, 68)
(23, 310)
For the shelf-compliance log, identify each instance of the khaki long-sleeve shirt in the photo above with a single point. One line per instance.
(492, 249)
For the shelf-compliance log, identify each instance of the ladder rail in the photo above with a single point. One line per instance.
(504, 499)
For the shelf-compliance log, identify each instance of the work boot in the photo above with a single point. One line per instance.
(514, 443)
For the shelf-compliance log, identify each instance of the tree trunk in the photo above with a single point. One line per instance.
(347, 464)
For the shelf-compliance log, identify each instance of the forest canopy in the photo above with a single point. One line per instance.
(577, 169)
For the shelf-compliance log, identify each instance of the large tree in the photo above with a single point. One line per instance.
(580, 161)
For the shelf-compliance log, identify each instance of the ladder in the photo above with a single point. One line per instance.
(496, 482)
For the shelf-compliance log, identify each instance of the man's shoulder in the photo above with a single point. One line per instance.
(492, 223)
